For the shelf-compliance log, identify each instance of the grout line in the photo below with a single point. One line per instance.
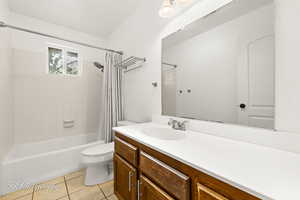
(66, 180)
(70, 193)
(35, 185)
(102, 191)
(32, 196)
(110, 196)
(66, 185)
(78, 190)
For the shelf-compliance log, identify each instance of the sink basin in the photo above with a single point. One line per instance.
(164, 133)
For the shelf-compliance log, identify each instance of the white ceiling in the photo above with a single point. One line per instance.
(97, 17)
(227, 13)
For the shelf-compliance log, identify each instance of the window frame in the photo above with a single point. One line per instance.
(65, 50)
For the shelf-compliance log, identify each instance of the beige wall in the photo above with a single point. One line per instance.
(6, 122)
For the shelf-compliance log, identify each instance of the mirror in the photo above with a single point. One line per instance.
(221, 68)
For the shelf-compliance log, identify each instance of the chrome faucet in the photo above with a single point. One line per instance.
(178, 125)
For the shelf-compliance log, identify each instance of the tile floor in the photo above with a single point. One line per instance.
(68, 187)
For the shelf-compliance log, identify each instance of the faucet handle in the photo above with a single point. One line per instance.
(183, 125)
(171, 121)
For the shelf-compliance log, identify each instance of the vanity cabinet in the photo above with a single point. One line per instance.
(142, 173)
(125, 176)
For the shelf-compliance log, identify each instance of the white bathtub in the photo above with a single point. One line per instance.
(28, 164)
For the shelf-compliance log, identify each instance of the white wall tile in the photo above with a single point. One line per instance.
(42, 101)
(6, 123)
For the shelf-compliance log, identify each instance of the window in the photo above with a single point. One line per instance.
(63, 60)
(72, 63)
(55, 61)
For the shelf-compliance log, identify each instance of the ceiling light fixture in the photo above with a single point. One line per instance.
(169, 7)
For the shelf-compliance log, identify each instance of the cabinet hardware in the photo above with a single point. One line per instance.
(138, 189)
(129, 180)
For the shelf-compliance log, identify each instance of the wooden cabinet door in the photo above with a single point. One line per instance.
(149, 191)
(205, 193)
(125, 179)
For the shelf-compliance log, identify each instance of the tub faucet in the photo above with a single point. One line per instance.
(177, 125)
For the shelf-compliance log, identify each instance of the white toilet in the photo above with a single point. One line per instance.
(98, 161)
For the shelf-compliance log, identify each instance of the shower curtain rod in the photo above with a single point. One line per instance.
(4, 25)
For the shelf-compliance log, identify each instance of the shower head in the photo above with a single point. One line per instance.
(99, 66)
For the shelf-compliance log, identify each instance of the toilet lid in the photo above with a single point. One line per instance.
(99, 150)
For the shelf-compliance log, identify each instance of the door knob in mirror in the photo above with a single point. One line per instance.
(242, 106)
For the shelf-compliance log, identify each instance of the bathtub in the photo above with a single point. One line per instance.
(28, 164)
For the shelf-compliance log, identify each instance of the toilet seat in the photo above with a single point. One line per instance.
(99, 150)
(98, 154)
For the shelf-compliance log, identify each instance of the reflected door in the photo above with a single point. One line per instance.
(256, 103)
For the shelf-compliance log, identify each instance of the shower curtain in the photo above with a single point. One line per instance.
(112, 98)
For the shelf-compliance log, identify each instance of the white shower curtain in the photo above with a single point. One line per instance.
(112, 108)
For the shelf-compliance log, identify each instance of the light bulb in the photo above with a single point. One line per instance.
(183, 1)
(167, 9)
(166, 12)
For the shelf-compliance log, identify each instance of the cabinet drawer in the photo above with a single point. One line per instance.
(209, 188)
(126, 151)
(171, 180)
(205, 193)
(149, 191)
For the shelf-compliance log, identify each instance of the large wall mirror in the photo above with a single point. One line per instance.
(221, 68)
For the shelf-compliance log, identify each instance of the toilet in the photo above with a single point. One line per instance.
(98, 161)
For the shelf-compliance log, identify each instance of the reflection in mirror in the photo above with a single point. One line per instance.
(221, 67)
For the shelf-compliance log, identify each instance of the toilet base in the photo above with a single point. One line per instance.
(98, 174)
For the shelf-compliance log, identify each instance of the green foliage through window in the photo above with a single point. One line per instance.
(62, 61)
(55, 61)
(72, 63)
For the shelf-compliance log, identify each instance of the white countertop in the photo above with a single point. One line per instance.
(267, 173)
